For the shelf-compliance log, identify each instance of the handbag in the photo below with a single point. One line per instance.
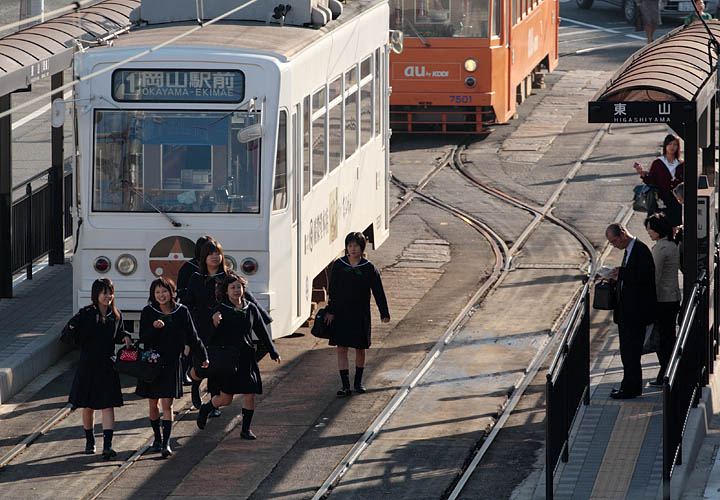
(645, 198)
(223, 362)
(70, 334)
(320, 329)
(652, 339)
(144, 365)
(605, 297)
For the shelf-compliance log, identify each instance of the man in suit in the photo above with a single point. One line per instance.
(635, 308)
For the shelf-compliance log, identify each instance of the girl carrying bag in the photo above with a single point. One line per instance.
(133, 361)
(223, 362)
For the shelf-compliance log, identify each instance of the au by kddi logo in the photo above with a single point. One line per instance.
(420, 72)
(663, 108)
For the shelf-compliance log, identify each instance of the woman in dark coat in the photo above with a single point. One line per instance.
(348, 309)
(200, 298)
(236, 319)
(665, 173)
(166, 328)
(96, 385)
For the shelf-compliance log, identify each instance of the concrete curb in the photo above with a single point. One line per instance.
(25, 364)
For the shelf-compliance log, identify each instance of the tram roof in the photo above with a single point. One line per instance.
(284, 42)
(47, 48)
(675, 69)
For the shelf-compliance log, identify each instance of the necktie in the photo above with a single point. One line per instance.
(625, 256)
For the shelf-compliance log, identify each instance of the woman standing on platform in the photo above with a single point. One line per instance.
(665, 173)
(666, 257)
(96, 385)
(236, 319)
(348, 309)
(166, 327)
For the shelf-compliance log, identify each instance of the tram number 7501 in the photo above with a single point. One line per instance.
(460, 99)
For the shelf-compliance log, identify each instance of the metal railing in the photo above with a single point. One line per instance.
(32, 219)
(683, 379)
(567, 386)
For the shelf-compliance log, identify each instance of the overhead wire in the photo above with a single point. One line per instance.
(116, 65)
(46, 16)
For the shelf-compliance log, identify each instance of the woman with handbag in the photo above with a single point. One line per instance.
(166, 328)
(348, 310)
(96, 385)
(200, 298)
(666, 257)
(665, 173)
(235, 319)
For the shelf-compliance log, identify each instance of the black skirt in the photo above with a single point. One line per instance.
(96, 385)
(246, 381)
(167, 385)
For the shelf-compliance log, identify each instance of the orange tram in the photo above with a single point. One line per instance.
(467, 63)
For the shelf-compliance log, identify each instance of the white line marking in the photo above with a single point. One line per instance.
(601, 28)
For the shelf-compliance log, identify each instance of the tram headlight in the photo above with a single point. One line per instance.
(231, 263)
(249, 266)
(126, 264)
(470, 65)
(102, 264)
(470, 82)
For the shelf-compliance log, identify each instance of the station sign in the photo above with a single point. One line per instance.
(177, 85)
(640, 112)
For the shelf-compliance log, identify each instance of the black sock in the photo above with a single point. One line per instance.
(167, 429)
(89, 437)
(345, 376)
(247, 418)
(155, 424)
(358, 374)
(107, 439)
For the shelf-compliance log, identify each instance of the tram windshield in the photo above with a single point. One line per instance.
(441, 18)
(176, 161)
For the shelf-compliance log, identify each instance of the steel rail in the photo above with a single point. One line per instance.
(39, 431)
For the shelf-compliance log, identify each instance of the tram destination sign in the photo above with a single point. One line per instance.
(639, 112)
(178, 85)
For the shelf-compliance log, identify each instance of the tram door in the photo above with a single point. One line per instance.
(296, 188)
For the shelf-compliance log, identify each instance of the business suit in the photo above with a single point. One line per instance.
(635, 309)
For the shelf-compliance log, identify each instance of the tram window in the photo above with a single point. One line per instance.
(366, 118)
(306, 145)
(335, 123)
(441, 18)
(497, 17)
(280, 180)
(378, 92)
(515, 4)
(175, 161)
(351, 111)
(318, 136)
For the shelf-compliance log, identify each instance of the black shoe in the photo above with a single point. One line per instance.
(89, 448)
(166, 451)
(108, 453)
(215, 413)
(344, 392)
(656, 383)
(360, 389)
(203, 415)
(623, 394)
(195, 394)
(247, 435)
(156, 446)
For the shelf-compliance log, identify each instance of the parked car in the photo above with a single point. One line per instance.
(670, 8)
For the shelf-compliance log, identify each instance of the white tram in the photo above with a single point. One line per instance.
(271, 138)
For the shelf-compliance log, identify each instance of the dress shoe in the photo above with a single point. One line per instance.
(248, 435)
(360, 389)
(215, 413)
(623, 395)
(344, 392)
(166, 451)
(203, 414)
(656, 383)
(156, 446)
(195, 394)
(108, 453)
(89, 448)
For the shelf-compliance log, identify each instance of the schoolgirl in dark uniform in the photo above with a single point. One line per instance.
(348, 309)
(166, 327)
(236, 319)
(96, 385)
(200, 298)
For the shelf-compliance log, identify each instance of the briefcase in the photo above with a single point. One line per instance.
(605, 296)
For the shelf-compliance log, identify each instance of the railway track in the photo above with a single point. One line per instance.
(503, 258)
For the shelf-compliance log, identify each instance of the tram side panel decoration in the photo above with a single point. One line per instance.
(465, 65)
(220, 134)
